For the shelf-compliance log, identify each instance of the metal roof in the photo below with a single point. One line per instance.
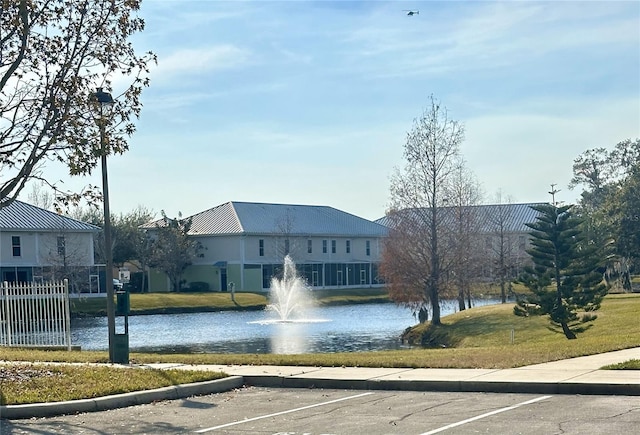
(273, 219)
(513, 217)
(20, 216)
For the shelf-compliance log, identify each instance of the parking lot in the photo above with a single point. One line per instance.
(255, 410)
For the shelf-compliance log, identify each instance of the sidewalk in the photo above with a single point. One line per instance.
(573, 376)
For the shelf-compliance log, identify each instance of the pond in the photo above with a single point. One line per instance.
(347, 328)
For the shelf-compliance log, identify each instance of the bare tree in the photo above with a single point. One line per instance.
(286, 244)
(40, 196)
(93, 216)
(501, 252)
(431, 154)
(53, 55)
(173, 249)
(68, 256)
(405, 262)
(462, 259)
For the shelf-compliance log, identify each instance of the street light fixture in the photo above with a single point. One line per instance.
(103, 103)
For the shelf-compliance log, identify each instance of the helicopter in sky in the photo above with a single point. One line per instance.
(411, 12)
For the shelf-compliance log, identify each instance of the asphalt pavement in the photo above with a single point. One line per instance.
(582, 375)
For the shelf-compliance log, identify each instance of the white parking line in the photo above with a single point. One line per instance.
(497, 411)
(282, 412)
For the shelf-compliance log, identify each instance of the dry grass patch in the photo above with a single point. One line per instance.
(38, 383)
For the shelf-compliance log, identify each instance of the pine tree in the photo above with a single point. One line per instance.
(566, 276)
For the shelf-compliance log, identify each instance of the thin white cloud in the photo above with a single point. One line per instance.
(287, 102)
(527, 147)
(196, 61)
(488, 36)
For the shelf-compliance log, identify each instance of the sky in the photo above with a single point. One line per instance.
(310, 102)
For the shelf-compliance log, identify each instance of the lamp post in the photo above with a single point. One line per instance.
(104, 102)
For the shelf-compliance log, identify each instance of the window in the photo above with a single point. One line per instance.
(15, 246)
(309, 246)
(368, 249)
(261, 247)
(333, 246)
(286, 246)
(61, 246)
(348, 246)
(324, 246)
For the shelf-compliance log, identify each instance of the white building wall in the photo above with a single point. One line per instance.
(27, 256)
(274, 249)
(41, 249)
(78, 249)
(218, 248)
(245, 249)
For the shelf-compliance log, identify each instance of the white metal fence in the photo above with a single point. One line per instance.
(35, 314)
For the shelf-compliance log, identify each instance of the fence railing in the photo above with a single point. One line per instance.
(35, 314)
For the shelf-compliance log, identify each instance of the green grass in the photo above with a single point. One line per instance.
(38, 383)
(352, 296)
(632, 364)
(162, 303)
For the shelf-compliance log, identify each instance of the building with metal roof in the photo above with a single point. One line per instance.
(245, 243)
(492, 231)
(513, 217)
(37, 244)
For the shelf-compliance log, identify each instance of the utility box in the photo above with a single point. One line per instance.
(123, 305)
(121, 349)
(121, 340)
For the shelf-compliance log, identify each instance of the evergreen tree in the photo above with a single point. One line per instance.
(566, 276)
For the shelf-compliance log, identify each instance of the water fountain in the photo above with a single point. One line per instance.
(290, 297)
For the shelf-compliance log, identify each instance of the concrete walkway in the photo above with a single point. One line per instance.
(573, 376)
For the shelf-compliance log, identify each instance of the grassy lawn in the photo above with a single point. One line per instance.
(633, 364)
(36, 383)
(476, 338)
(163, 303)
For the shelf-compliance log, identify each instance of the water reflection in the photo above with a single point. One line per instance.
(350, 328)
(289, 338)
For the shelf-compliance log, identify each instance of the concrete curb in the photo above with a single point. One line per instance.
(446, 386)
(120, 400)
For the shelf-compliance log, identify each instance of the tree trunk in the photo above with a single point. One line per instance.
(568, 332)
(434, 279)
(435, 303)
(423, 315)
(461, 305)
(503, 291)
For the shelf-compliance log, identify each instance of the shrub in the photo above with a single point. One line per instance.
(135, 283)
(199, 286)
